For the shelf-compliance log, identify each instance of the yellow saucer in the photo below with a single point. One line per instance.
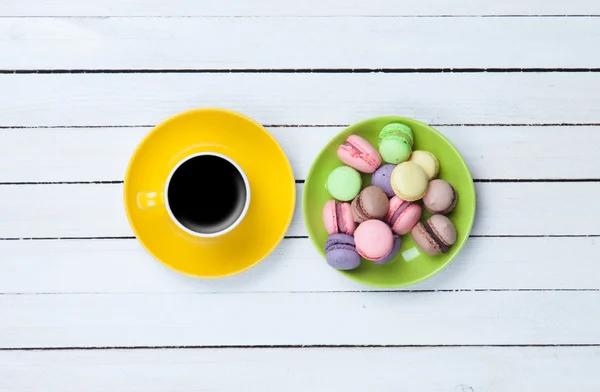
(272, 189)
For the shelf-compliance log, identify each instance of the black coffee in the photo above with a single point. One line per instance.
(207, 194)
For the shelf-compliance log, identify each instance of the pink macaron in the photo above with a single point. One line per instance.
(337, 218)
(359, 154)
(374, 240)
(402, 215)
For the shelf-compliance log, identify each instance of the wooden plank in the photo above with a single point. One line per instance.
(491, 152)
(96, 210)
(136, 99)
(305, 8)
(123, 267)
(449, 369)
(176, 43)
(392, 318)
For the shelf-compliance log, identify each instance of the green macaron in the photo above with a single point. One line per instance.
(397, 129)
(343, 183)
(395, 143)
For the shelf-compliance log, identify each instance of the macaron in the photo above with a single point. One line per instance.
(337, 218)
(371, 203)
(397, 128)
(374, 240)
(340, 252)
(402, 215)
(395, 143)
(382, 179)
(409, 181)
(441, 198)
(359, 154)
(394, 252)
(436, 235)
(343, 183)
(427, 161)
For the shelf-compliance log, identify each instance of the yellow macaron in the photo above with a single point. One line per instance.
(427, 161)
(409, 181)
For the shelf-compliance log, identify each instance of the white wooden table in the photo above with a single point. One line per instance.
(514, 84)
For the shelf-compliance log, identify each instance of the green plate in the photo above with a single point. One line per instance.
(410, 266)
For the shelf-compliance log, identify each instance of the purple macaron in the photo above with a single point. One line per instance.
(382, 179)
(340, 252)
(394, 252)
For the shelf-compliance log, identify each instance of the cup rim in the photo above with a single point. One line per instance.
(218, 233)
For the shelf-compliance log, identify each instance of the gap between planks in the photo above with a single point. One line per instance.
(17, 127)
(477, 180)
(298, 347)
(366, 291)
(293, 237)
(299, 16)
(295, 70)
(311, 8)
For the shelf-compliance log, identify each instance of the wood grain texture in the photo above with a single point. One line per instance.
(137, 99)
(305, 8)
(461, 369)
(91, 154)
(94, 210)
(507, 290)
(292, 43)
(396, 318)
(123, 267)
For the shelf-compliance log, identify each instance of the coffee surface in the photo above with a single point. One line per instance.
(206, 194)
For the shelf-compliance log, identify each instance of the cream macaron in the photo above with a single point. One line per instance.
(409, 181)
(427, 161)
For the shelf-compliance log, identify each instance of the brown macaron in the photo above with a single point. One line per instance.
(371, 203)
(441, 198)
(436, 235)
